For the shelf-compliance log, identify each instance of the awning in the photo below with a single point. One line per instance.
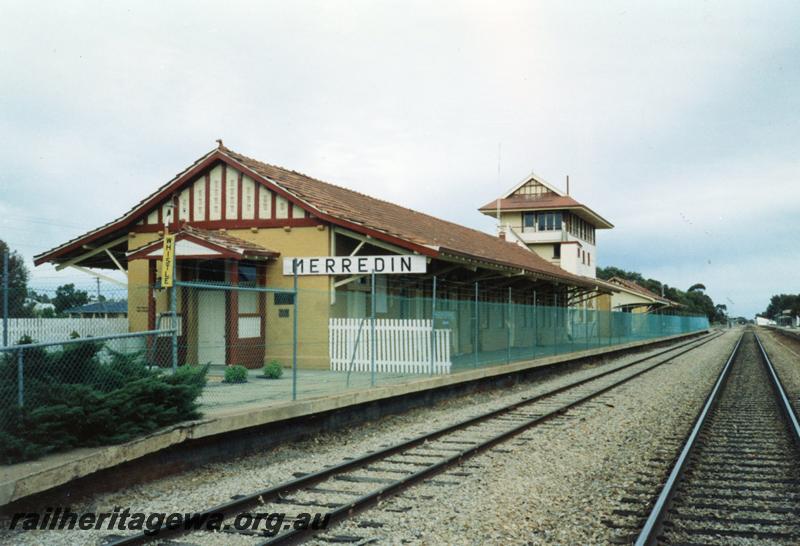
(199, 244)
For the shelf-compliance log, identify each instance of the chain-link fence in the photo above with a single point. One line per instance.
(89, 391)
(413, 335)
(256, 344)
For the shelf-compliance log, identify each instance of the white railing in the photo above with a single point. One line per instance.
(45, 330)
(402, 346)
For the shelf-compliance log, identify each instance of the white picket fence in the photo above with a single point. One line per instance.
(45, 330)
(402, 346)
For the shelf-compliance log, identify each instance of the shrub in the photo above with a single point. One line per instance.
(74, 335)
(74, 398)
(273, 370)
(235, 374)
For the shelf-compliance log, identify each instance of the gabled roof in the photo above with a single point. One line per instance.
(548, 202)
(533, 177)
(642, 291)
(405, 224)
(555, 199)
(191, 242)
(117, 307)
(343, 207)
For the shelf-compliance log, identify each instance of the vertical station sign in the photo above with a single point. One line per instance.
(168, 261)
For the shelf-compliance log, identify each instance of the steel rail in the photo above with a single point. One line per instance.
(272, 493)
(294, 536)
(649, 532)
(786, 406)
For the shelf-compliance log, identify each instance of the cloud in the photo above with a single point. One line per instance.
(677, 121)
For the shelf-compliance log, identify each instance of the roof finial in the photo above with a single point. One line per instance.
(219, 143)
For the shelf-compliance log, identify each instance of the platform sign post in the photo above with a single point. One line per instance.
(355, 267)
(168, 281)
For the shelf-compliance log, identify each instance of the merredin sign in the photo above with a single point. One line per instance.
(349, 265)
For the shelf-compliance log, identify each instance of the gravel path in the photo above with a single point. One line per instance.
(520, 517)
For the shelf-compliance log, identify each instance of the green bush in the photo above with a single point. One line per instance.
(235, 374)
(273, 370)
(73, 398)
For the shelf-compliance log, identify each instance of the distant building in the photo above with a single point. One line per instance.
(39, 307)
(99, 309)
(631, 297)
(764, 321)
(539, 216)
(788, 318)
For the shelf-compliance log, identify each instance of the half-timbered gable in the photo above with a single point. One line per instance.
(223, 197)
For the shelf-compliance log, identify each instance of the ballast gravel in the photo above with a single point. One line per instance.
(555, 488)
(563, 482)
(784, 353)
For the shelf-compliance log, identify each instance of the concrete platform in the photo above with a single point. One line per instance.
(320, 393)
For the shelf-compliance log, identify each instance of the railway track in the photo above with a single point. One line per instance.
(737, 477)
(343, 490)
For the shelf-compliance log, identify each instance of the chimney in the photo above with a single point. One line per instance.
(567, 184)
(502, 234)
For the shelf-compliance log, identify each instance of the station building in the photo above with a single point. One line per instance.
(630, 297)
(235, 219)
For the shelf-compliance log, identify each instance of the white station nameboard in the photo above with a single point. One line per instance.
(349, 265)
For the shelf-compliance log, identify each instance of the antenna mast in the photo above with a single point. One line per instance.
(499, 149)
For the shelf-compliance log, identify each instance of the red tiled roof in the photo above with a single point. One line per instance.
(638, 288)
(404, 223)
(234, 244)
(519, 202)
(547, 202)
(355, 210)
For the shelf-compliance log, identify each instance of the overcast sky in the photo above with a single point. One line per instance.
(677, 121)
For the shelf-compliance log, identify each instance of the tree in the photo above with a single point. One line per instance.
(40, 297)
(694, 300)
(782, 302)
(67, 297)
(17, 283)
(721, 312)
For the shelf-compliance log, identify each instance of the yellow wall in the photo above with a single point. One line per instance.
(314, 299)
(627, 299)
(138, 283)
(313, 302)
